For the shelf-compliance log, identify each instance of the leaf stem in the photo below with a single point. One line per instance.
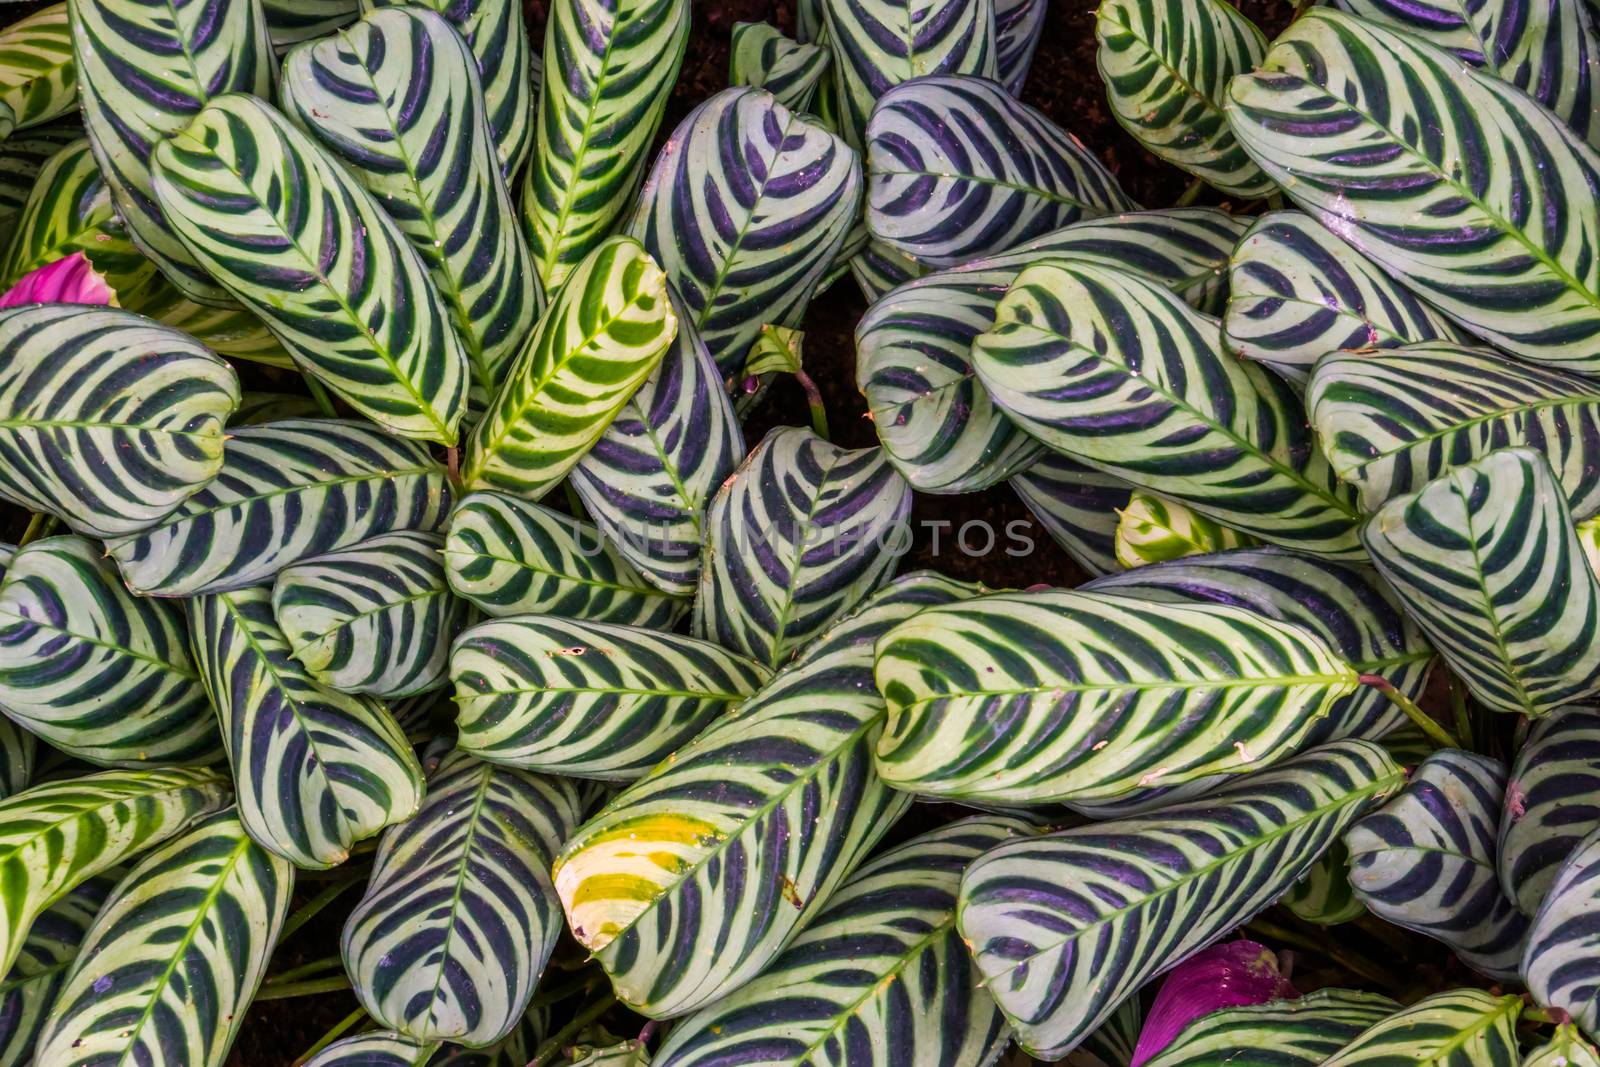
(326, 963)
(320, 395)
(552, 1048)
(1425, 722)
(1191, 192)
(1352, 962)
(41, 525)
(1458, 708)
(819, 413)
(333, 1034)
(285, 990)
(310, 908)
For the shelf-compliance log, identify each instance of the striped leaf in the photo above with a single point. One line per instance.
(1028, 698)
(107, 420)
(877, 44)
(232, 331)
(1391, 422)
(1459, 1028)
(258, 408)
(1324, 896)
(145, 68)
(796, 539)
(956, 169)
(1426, 861)
(56, 836)
(1560, 964)
(290, 22)
(396, 99)
(607, 328)
(1348, 607)
(175, 955)
(24, 155)
(1111, 1044)
(1284, 1033)
(1078, 506)
(28, 991)
(762, 57)
(507, 68)
(1552, 802)
(287, 491)
(1487, 215)
(318, 260)
(1296, 292)
(1549, 50)
(914, 348)
(375, 618)
(608, 69)
(1485, 560)
(459, 915)
(511, 557)
(38, 80)
(588, 699)
(744, 209)
(1043, 915)
(879, 976)
(18, 751)
(877, 268)
(1018, 25)
(1566, 1048)
(69, 210)
(315, 770)
(1115, 371)
(649, 478)
(97, 672)
(692, 880)
(1166, 65)
(1153, 529)
(376, 1048)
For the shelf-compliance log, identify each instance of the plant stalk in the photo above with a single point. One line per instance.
(552, 1048)
(285, 990)
(334, 1033)
(1425, 722)
(1191, 193)
(819, 413)
(310, 908)
(41, 525)
(1355, 964)
(320, 395)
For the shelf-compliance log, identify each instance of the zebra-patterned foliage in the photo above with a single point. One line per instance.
(507, 69)
(608, 70)
(877, 44)
(1166, 65)
(512, 557)
(286, 491)
(914, 358)
(289, 22)
(1488, 216)
(688, 883)
(1027, 698)
(1425, 861)
(38, 80)
(1153, 529)
(97, 672)
(58, 835)
(145, 67)
(762, 57)
(376, 618)
(107, 420)
(396, 99)
(588, 699)
(175, 955)
(69, 210)
(459, 915)
(1111, 1044)
(232, 331)
(1561, 964)
(1283, 1033)
(318, 260)
(879, 976)
(1552, 802)
(256, 408)
(1548, 50)
(377, 1048)
(315, 770)
(878, 268)
(515, 1050)
(745, 209)
(1346, 605)
(18, 751)
(1043, 915)
(607, 329)
(28, 991)
(956, 169)
(1566, 1048)
(1324, 896)
(1018, 25)
(1078, 506)
(1114, 370)
(1485, 560)
(649, 478)
(796, 538)
(23, 156)
(1458, 1028)
(1393, 421)
(1296, 292)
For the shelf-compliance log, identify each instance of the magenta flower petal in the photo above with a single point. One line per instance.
(1223, 976)
(72, 280)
